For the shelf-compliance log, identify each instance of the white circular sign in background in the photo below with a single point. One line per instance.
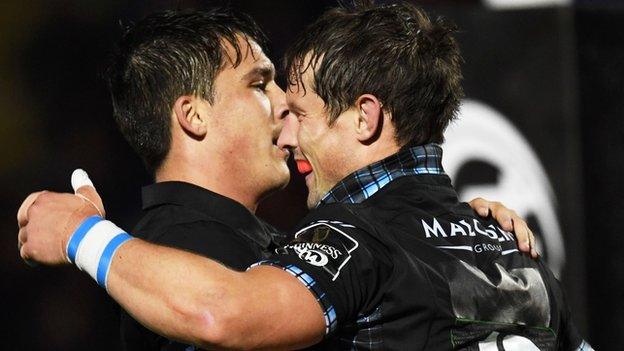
(484, 134)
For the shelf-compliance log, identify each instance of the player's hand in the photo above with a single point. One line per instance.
(509, 221)
(46, 220)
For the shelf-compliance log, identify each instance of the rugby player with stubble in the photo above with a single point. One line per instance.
(335, 280)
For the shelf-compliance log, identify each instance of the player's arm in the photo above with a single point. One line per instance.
(223, 244)
(197, 300)
(175, 293)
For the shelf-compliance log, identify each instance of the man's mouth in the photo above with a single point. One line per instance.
(304, 167)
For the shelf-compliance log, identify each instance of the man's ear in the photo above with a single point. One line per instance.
(189, 117)
(369, 117)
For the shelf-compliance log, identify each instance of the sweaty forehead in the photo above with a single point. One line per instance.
(301, 98)
(250, 53)
(301, 72)
(300, 91)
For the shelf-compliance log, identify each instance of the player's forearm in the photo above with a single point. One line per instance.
(175, 293)
(199, 301)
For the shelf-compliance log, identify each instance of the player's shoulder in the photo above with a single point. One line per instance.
(339, 226)
(175, 220)
(329, 239)
(337, 217)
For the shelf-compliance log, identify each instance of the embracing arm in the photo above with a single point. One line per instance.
(175, 293)
(197, 300)
(509, 221)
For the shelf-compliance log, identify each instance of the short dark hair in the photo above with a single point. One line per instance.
(164, 56)
(395, 52)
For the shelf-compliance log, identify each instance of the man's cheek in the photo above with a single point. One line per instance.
(307, 140)
(266, 104)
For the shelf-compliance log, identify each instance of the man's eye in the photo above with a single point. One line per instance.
(260, 86)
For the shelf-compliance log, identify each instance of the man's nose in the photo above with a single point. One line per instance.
(288, 129)
(278, 99)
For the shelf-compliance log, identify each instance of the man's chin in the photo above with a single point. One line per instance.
(284, 181)
(281, 181)
(313, 199)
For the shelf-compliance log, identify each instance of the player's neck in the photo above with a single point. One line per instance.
(365, 155)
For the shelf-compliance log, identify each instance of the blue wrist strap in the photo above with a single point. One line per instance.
(113, 234)
(79, 234)
(107, 256)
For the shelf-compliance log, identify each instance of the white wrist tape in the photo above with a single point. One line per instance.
(93, 245)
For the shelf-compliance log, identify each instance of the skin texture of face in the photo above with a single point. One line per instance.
(322, 152)
(245, 121)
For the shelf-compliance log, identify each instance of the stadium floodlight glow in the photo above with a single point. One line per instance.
(523, 4)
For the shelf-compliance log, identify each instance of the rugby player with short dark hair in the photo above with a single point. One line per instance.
(388, 260)
(185, 86)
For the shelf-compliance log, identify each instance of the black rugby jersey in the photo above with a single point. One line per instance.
(189, 217)
(398, 263)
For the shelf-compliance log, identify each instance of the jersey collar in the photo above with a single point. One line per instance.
(363, 183)
(214, 206)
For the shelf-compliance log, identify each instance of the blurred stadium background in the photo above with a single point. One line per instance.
(542, 129)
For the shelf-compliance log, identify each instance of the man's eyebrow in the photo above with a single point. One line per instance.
(264, 71)
(294, 106)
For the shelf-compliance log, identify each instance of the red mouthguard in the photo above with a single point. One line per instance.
(304, 166)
